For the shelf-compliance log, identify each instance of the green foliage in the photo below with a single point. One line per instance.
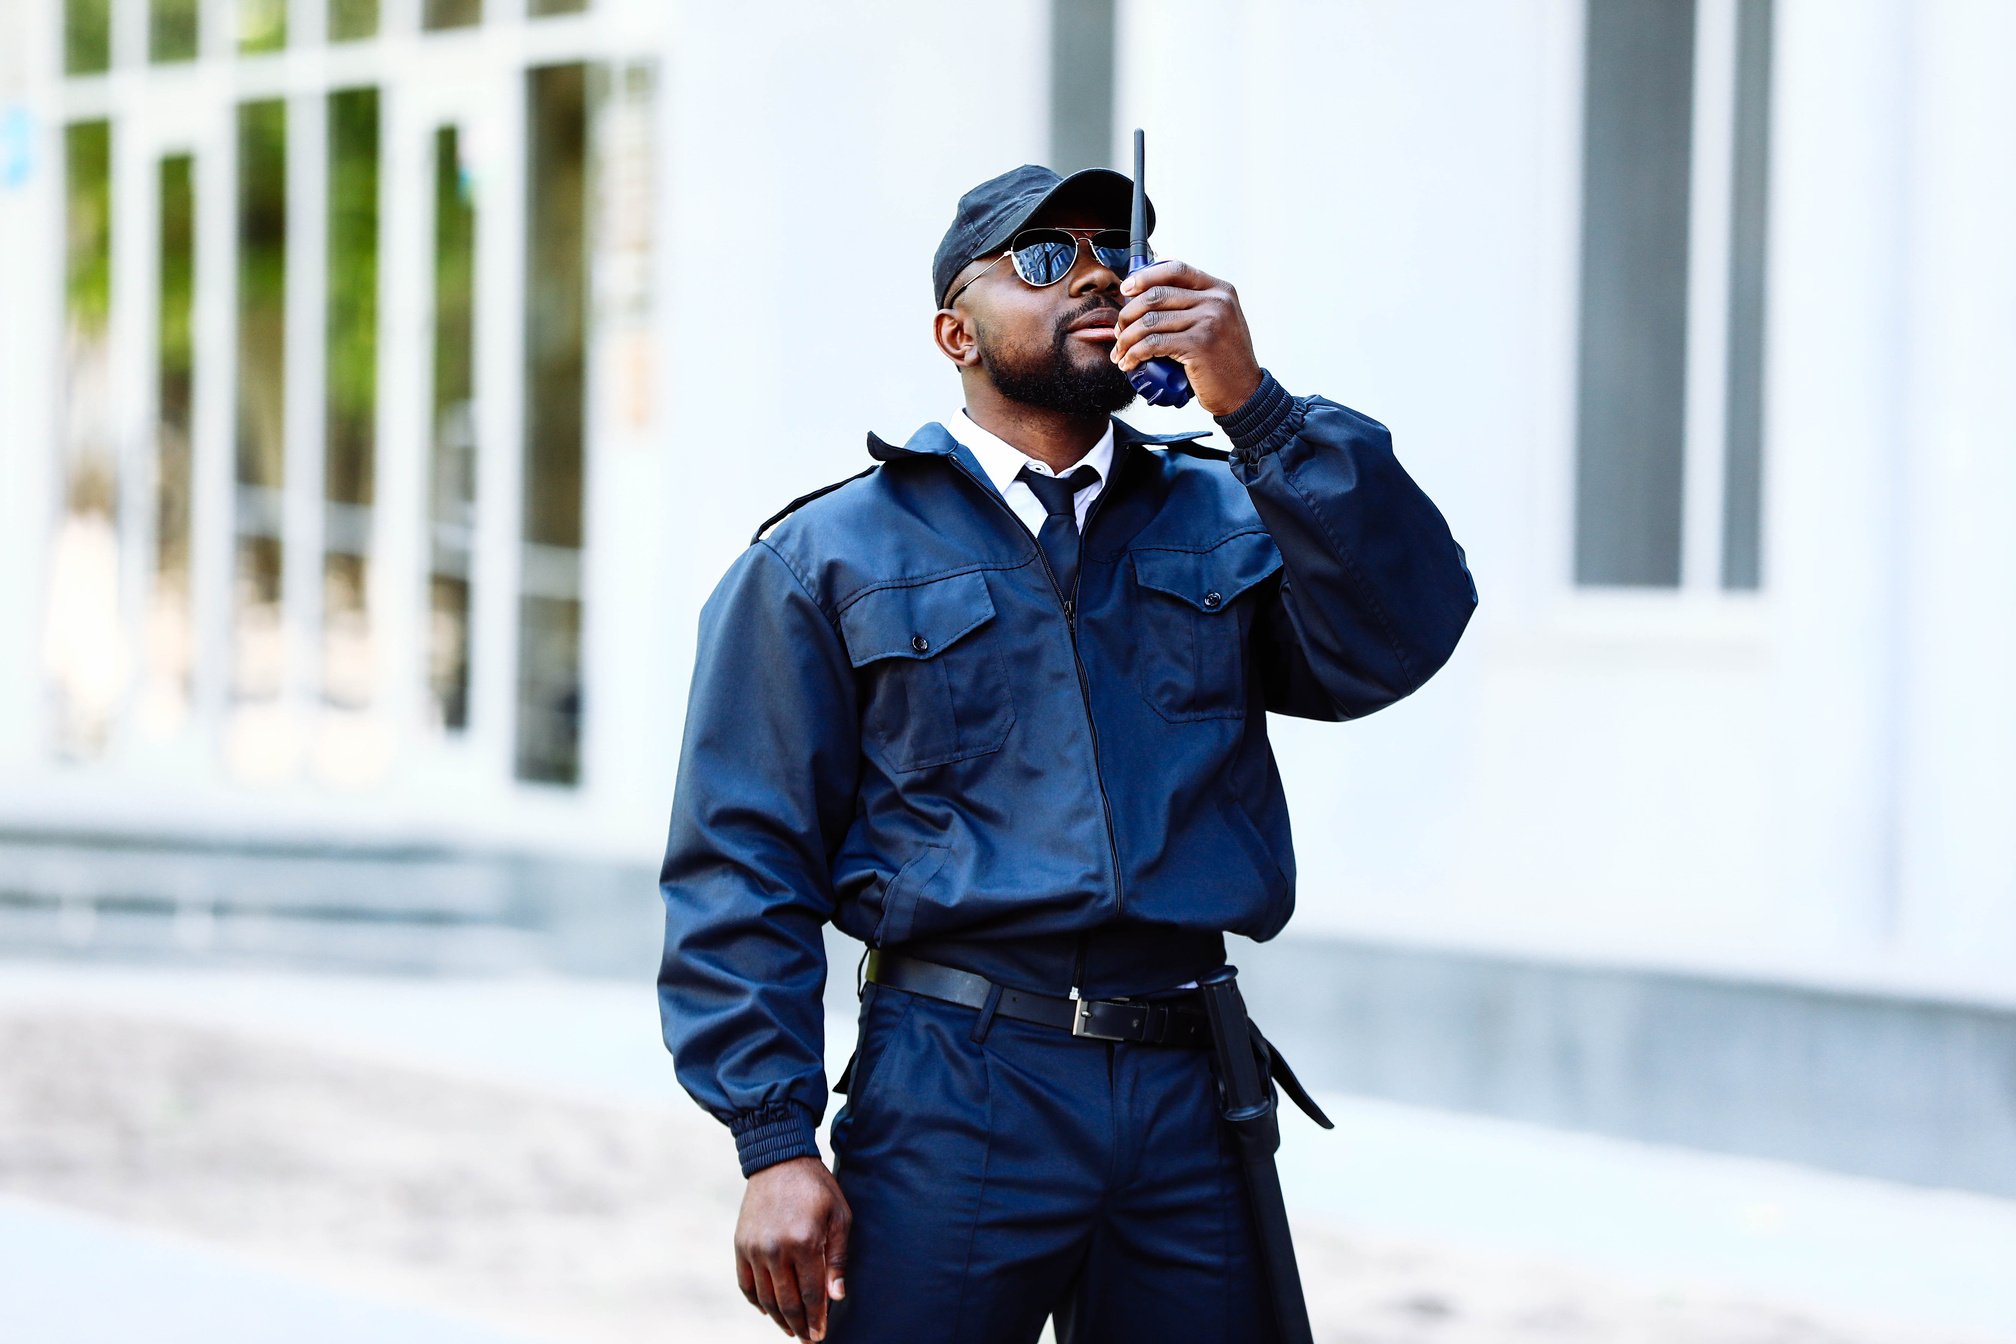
(262, 25)
(172, 30)
(352, 20)
(87, 164)
(454, 275)
(451, 13)
(178, 265)
(262, 291)
(352, 373)
(87, 36)
(262, 203)
(556, 294)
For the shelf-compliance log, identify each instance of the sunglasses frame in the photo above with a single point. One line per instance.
(1081, 238)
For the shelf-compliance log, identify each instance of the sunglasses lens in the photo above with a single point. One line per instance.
(1044, 256)
(1111, 249)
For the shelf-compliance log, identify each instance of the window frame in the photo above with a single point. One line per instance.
(1702, 590)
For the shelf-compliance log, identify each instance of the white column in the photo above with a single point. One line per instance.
(136, 256)
(627, 559)
(1835, 464)
(212, 508)
(496, 138)
(307, 331)
(398, 575)
(1956, 459)
(31, 341)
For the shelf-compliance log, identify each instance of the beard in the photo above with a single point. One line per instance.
(1062, 381)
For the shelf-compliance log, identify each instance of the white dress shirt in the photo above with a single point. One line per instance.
(1002, 461)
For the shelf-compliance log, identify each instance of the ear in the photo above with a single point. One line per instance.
(953, 332)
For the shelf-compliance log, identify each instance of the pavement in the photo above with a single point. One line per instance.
(309, 1156)
(62, 1267)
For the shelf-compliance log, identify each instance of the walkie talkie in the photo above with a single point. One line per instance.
(1161, 380)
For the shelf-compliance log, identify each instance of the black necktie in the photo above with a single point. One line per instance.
(1059, 537)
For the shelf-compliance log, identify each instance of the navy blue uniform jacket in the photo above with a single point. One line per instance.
(898, 723)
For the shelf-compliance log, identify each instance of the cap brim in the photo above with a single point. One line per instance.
(1100, 189)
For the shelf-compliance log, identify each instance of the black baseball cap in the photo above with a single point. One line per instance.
(990, 214)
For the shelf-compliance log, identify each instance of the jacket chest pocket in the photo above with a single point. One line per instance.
(935, 688)
(1190, 624)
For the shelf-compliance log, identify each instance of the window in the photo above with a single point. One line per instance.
(1081, 84)
(352, 20)
(350, 398)
(262, 25)
(1743, 469)
(258, 740)
(1675, 163)
(451, 13)
(556, 314)
(172, 28)
(87, 36)
(295, 568)
(169, 681)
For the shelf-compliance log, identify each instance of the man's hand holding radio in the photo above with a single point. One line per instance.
(1176, 311)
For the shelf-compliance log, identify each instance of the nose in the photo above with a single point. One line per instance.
(1089, 274)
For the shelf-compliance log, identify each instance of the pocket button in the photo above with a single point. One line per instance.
(919, 643)
(1213, 598)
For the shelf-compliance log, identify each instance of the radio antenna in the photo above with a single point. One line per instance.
(1138, 254)
(1161, 380)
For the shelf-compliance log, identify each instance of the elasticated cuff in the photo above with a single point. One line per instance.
(772, 1134)
(1263, 424)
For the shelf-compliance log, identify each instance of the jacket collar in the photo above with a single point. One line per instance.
(934, 440)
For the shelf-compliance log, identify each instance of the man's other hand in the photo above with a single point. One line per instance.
(791, 1244)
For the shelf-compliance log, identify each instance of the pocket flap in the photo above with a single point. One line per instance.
(919, 620)
(1210, 579)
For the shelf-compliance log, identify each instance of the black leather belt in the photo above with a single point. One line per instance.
(1165, 1021)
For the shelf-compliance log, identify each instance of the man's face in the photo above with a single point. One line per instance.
(1023, 335)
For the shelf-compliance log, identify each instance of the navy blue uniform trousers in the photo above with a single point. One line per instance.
(1000, 1172)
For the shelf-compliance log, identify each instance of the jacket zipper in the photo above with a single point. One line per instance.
(1070, 605)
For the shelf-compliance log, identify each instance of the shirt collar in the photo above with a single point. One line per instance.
(1002, 460)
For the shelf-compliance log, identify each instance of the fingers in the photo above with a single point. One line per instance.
(1158, 298)
(771, 1296)
(819, 1272)
(811, 1272)
(1158, 323)
(1180, 274)
(786, 1277)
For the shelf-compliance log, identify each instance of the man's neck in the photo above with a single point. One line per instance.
(1057, 439)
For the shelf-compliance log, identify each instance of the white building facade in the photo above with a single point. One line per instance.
(340, 533)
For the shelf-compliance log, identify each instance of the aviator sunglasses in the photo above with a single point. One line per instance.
(1045, 256)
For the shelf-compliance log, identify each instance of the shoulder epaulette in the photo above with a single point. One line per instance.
(1196, 448)
(801, 502)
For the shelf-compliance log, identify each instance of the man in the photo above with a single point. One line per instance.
(997, 708)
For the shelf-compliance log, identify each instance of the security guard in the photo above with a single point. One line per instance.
(996, 707)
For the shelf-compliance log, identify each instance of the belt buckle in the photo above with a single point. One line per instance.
(1084, 1011)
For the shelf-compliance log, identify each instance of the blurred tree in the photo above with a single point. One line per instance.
(352, 375)
(173, 26)
(262, 25)
(87, 36)
(351, 20)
